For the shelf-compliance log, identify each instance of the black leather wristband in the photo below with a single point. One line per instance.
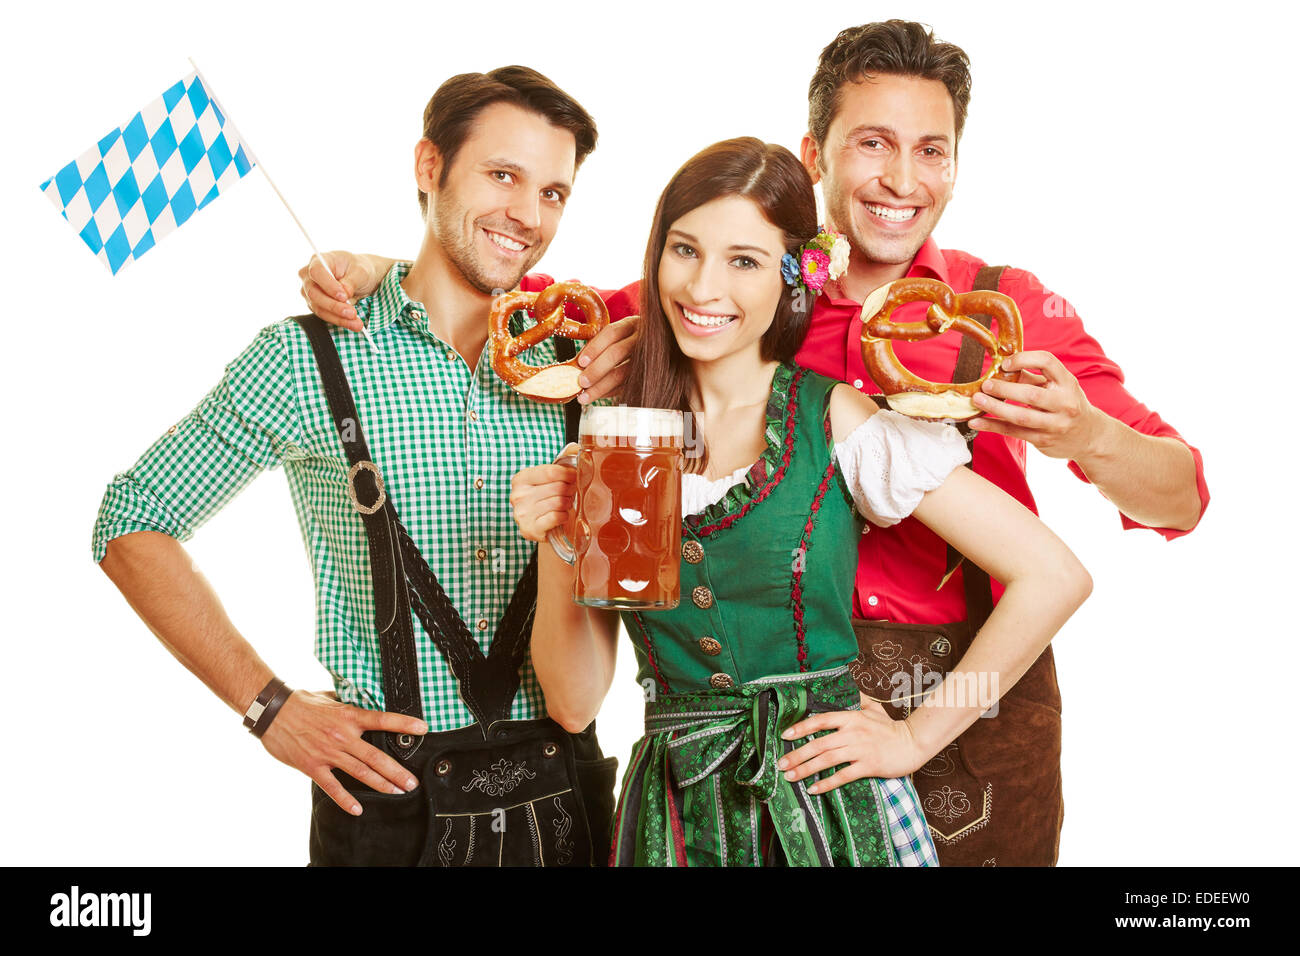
(265, 706)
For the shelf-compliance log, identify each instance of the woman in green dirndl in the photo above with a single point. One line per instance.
(759, 749)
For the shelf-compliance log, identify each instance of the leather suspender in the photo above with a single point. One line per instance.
(565, 350)
(365, 489)
(404, 582)
(970, 361)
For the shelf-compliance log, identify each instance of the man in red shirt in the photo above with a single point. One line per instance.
(886, 109)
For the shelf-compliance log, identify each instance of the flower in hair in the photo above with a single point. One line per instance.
(790, 269)
(819, 260)
(839, 253)
(815, 266)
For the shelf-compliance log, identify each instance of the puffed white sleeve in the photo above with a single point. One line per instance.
(890, 461)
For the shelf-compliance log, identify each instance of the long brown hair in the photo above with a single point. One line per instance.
(659, 375)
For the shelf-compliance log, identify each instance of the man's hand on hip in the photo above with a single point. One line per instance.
(314, 734)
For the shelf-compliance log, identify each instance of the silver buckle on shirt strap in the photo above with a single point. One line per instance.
(356, 469)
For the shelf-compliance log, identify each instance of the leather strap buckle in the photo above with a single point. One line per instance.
(371, 467)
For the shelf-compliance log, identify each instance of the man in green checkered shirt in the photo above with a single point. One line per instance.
(494, 169)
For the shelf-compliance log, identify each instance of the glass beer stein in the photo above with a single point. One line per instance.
(627, 530)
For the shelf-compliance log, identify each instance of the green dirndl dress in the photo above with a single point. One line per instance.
(762, 638)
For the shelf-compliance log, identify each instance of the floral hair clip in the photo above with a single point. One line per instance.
(823, 257)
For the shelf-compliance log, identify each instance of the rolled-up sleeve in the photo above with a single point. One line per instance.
(1052, 326)
(248, 423)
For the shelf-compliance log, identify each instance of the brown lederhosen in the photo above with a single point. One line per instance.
(993, 796)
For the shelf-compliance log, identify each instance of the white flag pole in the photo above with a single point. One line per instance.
(258, 163)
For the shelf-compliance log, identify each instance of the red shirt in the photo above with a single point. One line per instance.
(900, 567)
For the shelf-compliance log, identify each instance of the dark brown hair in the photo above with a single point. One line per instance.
(454, 106)
(898, 47)
(659, 375)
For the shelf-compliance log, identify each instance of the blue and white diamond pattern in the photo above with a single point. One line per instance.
(151, 174)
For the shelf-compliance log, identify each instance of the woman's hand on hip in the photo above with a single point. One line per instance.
(861, 743)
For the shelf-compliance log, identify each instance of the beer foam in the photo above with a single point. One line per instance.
(628, 425)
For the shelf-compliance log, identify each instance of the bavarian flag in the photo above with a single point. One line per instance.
(151, 174)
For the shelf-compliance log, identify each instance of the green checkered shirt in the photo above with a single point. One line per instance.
(447, 438)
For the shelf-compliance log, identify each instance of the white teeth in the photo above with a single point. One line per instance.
(707, 321)
(893, 215)
(505, 243)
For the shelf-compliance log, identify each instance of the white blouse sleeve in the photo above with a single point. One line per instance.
(890, 461)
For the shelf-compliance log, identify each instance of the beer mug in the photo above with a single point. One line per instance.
(628, 525)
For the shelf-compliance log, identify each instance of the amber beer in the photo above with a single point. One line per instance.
(627, 530)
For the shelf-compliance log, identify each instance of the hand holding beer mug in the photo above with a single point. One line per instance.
(627, 527)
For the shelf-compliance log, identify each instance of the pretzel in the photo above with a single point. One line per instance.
(557, 382)
(914, 396)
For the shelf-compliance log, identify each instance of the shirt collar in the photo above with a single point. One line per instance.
(390, 302)
(928, 261)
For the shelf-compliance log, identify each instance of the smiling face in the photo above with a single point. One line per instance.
(501, 203)
(720, 278)
(888, 164)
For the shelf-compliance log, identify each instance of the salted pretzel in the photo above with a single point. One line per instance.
(914, 396)
(557, 382)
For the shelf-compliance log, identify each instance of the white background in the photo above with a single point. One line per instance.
(1139, 160)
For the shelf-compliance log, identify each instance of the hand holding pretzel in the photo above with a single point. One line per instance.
(910, 394)
(1052, 412)
(557, 382)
